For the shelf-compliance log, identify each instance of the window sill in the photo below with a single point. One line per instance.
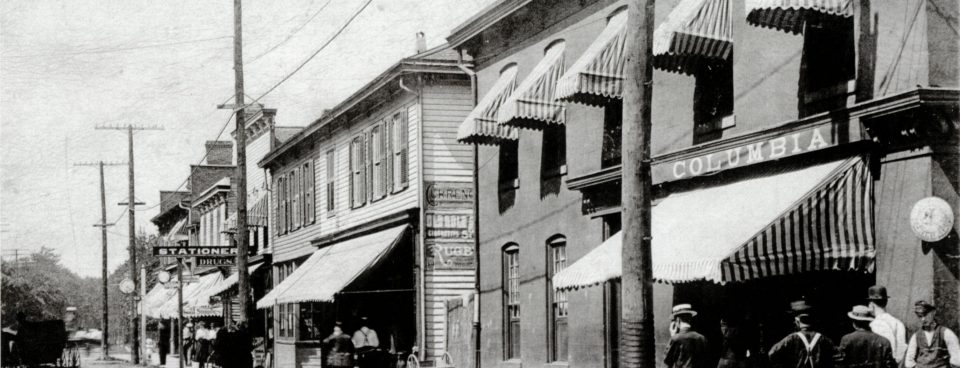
(511, 363)
(558, 364)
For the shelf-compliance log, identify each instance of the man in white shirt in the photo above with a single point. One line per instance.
(934, 346)
(885, 324)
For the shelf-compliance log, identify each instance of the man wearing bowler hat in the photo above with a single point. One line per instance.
(885, 324)
(688, 349)
(805, 348)
(863, 348)
(934, 346)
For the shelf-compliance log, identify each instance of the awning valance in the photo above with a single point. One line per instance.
(789, 15)
(532, 105)
(480, 126)
(331, 269)
(817, 218)
(695, 32)
(231, 281)
(596, 78)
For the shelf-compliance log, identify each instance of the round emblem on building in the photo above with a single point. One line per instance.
(931, 219)
(127, 286)
(163, 277)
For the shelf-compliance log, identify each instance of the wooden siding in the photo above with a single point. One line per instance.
(441, 286)
(444, 108)
(256, 150)
(295, 243)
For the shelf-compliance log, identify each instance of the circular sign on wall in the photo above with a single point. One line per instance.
(127, 286)
(163, 277)
(931, 219)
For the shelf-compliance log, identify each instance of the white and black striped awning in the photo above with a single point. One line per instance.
(812, 219)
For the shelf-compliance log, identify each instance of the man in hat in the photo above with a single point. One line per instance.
(934, 346)
(885, 324)
(863, 348)
(688, 349)
(365, 341)
(805, 348)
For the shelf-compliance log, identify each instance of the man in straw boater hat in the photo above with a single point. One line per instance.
(934, 346)
(688, 349)
(863, 348)
(805, 348)
(885, 324)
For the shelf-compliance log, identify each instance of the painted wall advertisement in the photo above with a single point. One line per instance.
(449, 226)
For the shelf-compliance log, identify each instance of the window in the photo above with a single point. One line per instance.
(611, 291)
(612, 137)
(554, 158)
(285, 312)
(511, 301)
(401, 142)
(378, 173)
(331, 180)
(828, 63)
(712, 99)
(308, 193)
(295, 208)
(312, 323)
(358, 171)
(509, 174)
(281, 206)
(557, 300)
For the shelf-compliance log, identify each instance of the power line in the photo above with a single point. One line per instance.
(293, 33)
(122, 49)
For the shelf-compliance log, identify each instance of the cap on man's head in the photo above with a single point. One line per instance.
(923, 307)
(861, 313)
(683, 310)
(877, 292)
(800, 307)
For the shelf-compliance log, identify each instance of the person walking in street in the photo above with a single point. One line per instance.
(805, 348)
(202, 341)
(188, 342)
(737, 347)
(863, 348)
(688, 348)
(163, 342)
(934, 346)
(339, 349)
(365, 342)
(885, 324)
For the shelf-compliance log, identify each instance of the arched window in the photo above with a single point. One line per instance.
(511, 301)
(556, 299)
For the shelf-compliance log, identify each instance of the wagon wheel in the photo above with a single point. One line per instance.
(412, 361)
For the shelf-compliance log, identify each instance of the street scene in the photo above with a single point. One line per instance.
(480, 184)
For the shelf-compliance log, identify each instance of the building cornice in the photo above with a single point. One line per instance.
(487, 17)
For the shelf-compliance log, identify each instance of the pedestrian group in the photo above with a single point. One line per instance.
(878, 340)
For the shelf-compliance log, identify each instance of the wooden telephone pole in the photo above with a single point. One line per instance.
(637, 342)
(105, 322)
(242, 236)
(132, 233)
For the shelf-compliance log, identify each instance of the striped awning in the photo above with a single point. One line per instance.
(196, 299)
(817, 218)
(695, 32)
(789, 15)
(331, 269)
(229, 282)
(179, 232)
(256, 213)
(596, 78)
(532, 105)
(480, 126)
(157, 297)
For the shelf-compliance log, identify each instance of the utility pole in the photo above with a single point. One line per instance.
(132, 233)
(105, 322)
(637, 340)
(242, 236)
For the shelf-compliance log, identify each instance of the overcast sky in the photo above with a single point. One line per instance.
(67, 66)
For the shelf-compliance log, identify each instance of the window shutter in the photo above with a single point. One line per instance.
(388, 155)
(309, 191)
(382, 158)
(331, 175)
(364, 167)
(402, 151)
(281, 207)
(375, 149)
(353, 173)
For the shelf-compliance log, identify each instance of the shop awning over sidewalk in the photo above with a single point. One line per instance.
(480, 126)
(596, 78)
(532, 105)
(155, 298)
(695, 31)
(196, 299)
(789, 15)
(231, 281)
(816, 218)
(331, 269)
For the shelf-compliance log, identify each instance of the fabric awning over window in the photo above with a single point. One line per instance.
(177, 233)
(596, 78)
(817, 218)
(331, 269)
(696, 31)
(480, 126)
(532, 105)
(789, 15)
(256, 213)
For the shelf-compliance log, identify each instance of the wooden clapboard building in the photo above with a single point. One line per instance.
(371, 214)
(791, 139)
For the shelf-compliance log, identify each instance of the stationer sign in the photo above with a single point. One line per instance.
(754, 152)
(195, 251)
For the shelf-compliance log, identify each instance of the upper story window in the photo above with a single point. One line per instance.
(331, 185)
(827, 66)
(309, 210)
(508, 174)
(295, 198)
(511, 301)
(358, 171)
(379, 162)
(400, 145)
(611, 148)
(281, 215)
(554, 155)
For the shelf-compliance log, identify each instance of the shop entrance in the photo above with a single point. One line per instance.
(761, 306)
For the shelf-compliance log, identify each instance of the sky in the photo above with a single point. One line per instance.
(68, 66)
